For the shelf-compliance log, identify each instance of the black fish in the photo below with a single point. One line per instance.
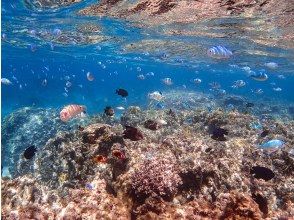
(122, 92)
(80, 128)
(30, 152)
(218, 133)
(132, 133)
(152, 125)
(249, 105)
(264, 133)
(262, 173)
(109, 111)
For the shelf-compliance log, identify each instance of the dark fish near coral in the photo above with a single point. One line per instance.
(30, 152)
(218, 133)
(264, 133)
(151, 124)
(118, 154)
(132, 133)
(109, 111)
(122, 92)
(171, 113)
(80, 128)
(262, 173)
(249, 105)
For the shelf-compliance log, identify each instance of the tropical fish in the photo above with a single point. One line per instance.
(100, 159)
(151, 125)
(167, 81)
(132, 133)
(56, 32)
(90, 76)
(68, 84)
(215, 85)
(118, 154)
(120, 108)
(150, 74)
(255, 125)
(197, 81)
(89, 186)
(161, 122)
(249, 105)
(238, 84)
(257, 91)
(3, 37)
(219, 52)
(259, 76)
(5, 172)
(71, 111)
(33, 47)
(260, 172)
(30, 152)
(271, 65)
(6, 81)
(122, 92)
(44, 82)
(157, 96)
(141, 77)
(33, 32)
(277, 89)
(159, 105)
(264, 133)
(218, 133)
(109, 111)
(272, 144)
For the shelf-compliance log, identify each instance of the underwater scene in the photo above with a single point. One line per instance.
(147, 109)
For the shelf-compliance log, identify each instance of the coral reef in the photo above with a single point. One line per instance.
(26, 127)
(178, 171)
(155, 177)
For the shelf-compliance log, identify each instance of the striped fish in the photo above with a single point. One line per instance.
(71, 111)
(219, 52)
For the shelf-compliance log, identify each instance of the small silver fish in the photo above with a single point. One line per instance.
(167, 81)
(6, 81)
(271, 65)
(238, 84)
(259, 76)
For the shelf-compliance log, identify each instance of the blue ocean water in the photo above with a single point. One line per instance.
(33, 52)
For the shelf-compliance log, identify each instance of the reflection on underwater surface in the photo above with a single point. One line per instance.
(176, 110)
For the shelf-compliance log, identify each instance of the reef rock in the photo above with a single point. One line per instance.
(26, 127)
(176, 172)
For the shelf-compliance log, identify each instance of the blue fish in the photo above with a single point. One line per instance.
(89, 186)
(219, 52)
(159, 105)
(275, 143)
(255, 125)
(56, 32)
(259, 76)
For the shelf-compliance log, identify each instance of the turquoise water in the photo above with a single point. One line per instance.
(32, 53)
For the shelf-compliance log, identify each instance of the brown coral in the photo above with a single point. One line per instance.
(156, 177)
